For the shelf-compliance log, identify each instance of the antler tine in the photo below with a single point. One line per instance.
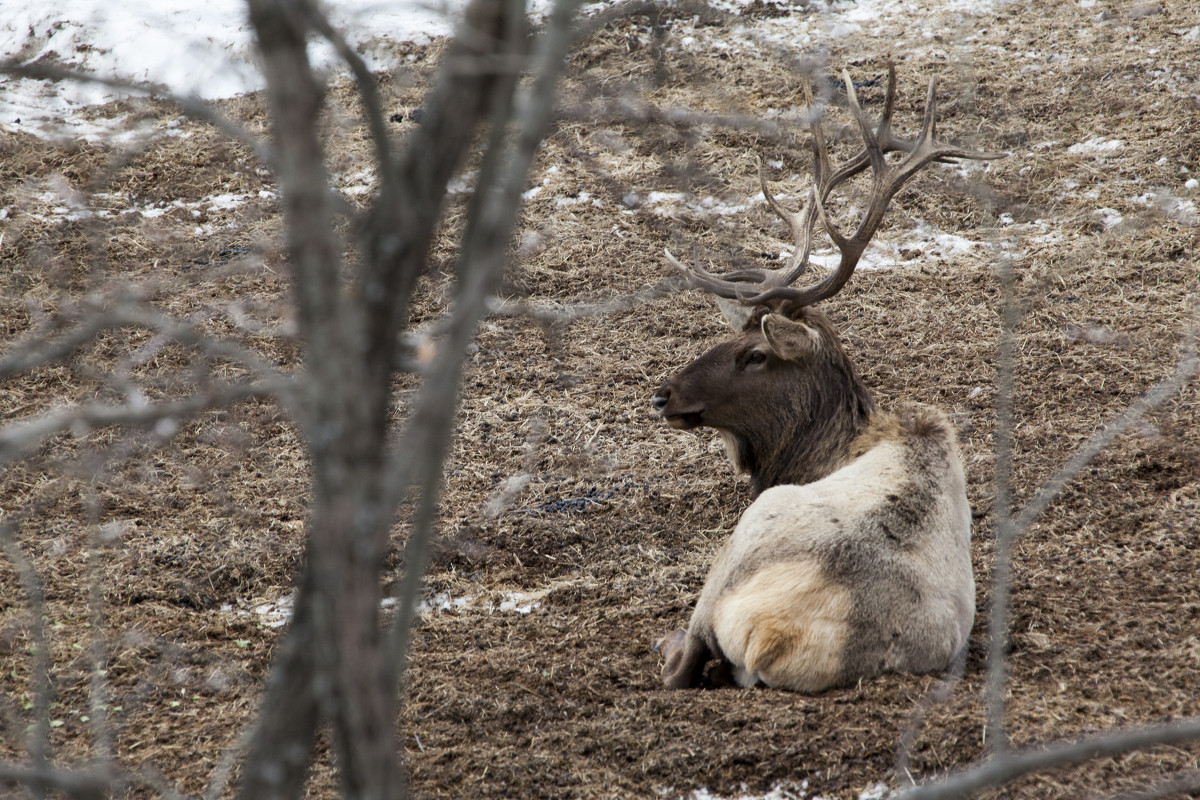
(801, 224)
(872, 148)
(889, 141)
(878, 140)
(888, 180)
(720, 285)
(745, 284)
(872, 154)
(928, 148)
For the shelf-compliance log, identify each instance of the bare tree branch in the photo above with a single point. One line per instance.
(563, 314)
(996, 738)
(1180, 784)
(368, 89)
(352, 344)
(1003, 767)
(483, 255)
(99, 314)
(219, 779)
(90, 784)
(1010, 526)
(938, 695)
(37, 738)
(1007, 767)
(102, 748)
(23, 435)
(1186, 369)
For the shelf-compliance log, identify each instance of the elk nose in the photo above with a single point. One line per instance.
(661, 398)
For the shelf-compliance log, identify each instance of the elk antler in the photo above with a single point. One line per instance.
(760, 286)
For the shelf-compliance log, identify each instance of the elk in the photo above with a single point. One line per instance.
(854, 558)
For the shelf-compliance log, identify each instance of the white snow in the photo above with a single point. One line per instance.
(785, 791)
(1097, 146)
(269, 613)
(1177, 209)
(204, 49)
(1109, 217)
(207, 49)
(680, 204)
(277, 613)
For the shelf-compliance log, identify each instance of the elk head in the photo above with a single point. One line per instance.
(782, 392)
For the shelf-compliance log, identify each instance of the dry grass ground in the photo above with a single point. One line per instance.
(611, 518)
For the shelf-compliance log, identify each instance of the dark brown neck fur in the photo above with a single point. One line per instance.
(813, 443)
(813, 431)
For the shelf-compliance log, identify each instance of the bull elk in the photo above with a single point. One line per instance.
(855, 557)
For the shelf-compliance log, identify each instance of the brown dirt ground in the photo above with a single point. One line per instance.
(620, 516)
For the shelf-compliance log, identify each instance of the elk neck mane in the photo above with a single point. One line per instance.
(816, 425)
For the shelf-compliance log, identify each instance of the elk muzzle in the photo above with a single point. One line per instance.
(666, 403)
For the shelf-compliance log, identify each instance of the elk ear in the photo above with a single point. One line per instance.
(735, 313)
(791, 340)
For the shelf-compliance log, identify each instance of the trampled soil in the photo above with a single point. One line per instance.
(576, 527)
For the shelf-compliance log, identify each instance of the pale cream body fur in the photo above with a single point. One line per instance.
(865, 571)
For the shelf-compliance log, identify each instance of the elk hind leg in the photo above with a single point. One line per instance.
(786, 626)
(684, 657)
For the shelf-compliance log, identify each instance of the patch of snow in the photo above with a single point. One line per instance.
(520, 602)
(461, 184)
(921, 243)
(270, 613)
(222, 202)
(676, 204)
(361, 182)
(59, 203)
(778, 792)
(582, 197)
(781, 791)
(1096, 146)
(839, 20)
(277, 613)
(1177, 209)
(1109, 217)
(659, 198)
(510, 602)
(876, 791)
(205, 49)
(444, 602)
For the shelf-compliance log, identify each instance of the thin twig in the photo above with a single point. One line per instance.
(219, 778)
(994, 733)
(83, 784)
(37, 741)
(368, 90)
(1004, 767)
(936, 697)
(98, 695)
(19, 437)
(563, 314)
(1187, 368)
(1188, 782)
(1007, 767)
(481, 261)
(98, 315)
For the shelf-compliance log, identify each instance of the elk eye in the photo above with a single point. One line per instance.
(756, 357)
